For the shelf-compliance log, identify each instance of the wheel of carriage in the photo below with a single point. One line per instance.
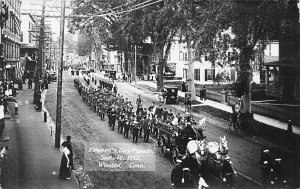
(175, 156)
(162, 144)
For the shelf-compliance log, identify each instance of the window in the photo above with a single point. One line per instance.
(21, 36)
(197, 74)
(209, 74)
(180, 56)
(232, 74)
(185, 56)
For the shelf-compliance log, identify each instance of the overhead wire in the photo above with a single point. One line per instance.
(119, 12)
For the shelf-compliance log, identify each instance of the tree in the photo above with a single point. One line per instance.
(252, 22)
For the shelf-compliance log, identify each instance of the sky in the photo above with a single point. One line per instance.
(35, 7)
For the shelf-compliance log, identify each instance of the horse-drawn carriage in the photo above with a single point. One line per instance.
(174, 138)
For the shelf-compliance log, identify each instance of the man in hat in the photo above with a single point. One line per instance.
(187, 117)
(126, 128)
(227, 171)
(69, 146)
(113, 117)
(276, 171)
(121, 122)
(135, 130)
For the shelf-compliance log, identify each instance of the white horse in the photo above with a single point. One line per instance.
(217, 151)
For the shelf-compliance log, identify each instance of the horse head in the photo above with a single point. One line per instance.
(223, 145)
(202, 123)
(201, 147)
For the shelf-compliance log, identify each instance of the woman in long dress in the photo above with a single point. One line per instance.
(64, 171)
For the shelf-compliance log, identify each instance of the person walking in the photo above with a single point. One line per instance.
(64, 170)
(2, 123)
(126, 128)
(69, 146)
(135, 131)
(16, 107)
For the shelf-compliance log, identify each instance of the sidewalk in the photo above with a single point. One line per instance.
(33, 161)
(227, 108)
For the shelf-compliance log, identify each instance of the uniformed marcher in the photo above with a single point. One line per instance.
(126, 128)
(121, 123)
(113, 118)
(135, 131)
(227, 171)
(180, 176)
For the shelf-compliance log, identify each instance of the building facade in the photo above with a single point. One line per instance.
(28, 47)
(11, 41)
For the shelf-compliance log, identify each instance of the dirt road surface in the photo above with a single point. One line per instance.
(85, 126)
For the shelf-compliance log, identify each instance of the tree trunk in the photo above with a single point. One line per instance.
(190, 77)
(159, 77)
(245, 69)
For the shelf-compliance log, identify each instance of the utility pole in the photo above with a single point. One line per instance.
(59, 84)
(40, 62)
(135, 64)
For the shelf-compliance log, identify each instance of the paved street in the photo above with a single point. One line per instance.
(32, 162)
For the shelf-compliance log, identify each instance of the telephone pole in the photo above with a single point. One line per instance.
(59, 84)
(40, 62)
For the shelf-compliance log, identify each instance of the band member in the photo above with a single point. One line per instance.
(139, 101)
(126, 128)
(113, 118)
(121, 123)
(135, 131)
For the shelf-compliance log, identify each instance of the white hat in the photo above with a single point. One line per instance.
(266, 151)
(191, 147)
(227, 158)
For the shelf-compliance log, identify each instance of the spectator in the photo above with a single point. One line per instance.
(64, 171)
(183, 87)
(29, 83)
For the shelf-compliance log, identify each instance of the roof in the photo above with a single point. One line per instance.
(284, 63)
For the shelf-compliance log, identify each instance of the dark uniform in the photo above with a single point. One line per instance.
(121, 123)
(227, 172)
(135, 131)
(113, 117)
(177, 173)
(126, 128)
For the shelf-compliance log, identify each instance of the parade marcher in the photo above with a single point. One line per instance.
(159, 111)
(180, 175)
(135, 131)
(154, 126)
(139, 101)
(227, 171)
(64, 171)
(152, 109)
(121, 123)
(115, 89)
(147, 130)
(164, 114)
(126, 128)
(189, 132)
(266, 163)
(187, 117)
